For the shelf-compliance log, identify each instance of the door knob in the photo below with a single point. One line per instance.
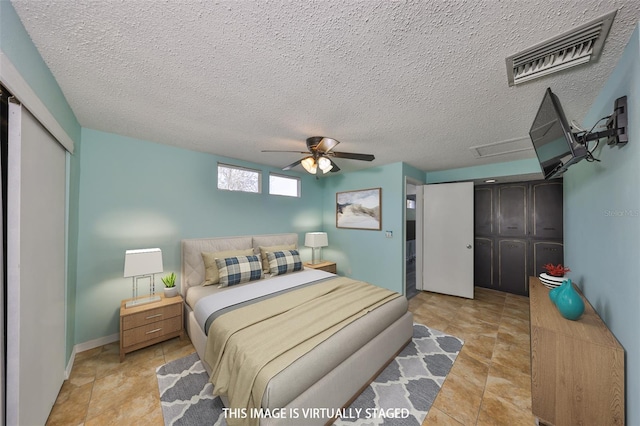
(468, 246)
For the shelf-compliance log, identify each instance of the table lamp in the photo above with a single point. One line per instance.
(139, 264)
(316, 240)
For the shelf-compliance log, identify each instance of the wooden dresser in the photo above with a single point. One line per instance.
(577, 367)
(145, 325)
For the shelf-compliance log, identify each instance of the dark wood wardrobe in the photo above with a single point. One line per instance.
(518, 229)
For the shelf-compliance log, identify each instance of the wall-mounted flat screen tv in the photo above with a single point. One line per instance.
(553, 141)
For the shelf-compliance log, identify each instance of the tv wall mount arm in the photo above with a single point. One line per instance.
(616, 133)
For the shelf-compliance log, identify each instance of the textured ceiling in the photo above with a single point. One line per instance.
(414, 81)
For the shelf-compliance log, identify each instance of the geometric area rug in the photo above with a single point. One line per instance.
(401, 395)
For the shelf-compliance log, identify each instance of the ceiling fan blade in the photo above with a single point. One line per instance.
(313, 142)
(353, 156)
(335, 167)
(292, 165)
(326, 145)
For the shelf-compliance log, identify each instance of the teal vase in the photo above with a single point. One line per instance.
(568, 301)
(553, 293)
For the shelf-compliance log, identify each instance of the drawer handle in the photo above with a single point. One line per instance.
(153, 331)
(153, 316)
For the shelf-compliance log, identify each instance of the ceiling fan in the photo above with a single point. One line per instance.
(320, 150)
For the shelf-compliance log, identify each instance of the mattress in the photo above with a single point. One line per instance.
(320, 361)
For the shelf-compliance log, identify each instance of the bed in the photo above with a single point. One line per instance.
(328, 376)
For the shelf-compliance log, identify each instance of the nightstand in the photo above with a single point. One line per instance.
(324, 265)
(146, 325)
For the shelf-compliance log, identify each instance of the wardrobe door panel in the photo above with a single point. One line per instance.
(512, 266)
(483, 262)
(512, 210)
(544, 252)
(483, 211)
(547, 210)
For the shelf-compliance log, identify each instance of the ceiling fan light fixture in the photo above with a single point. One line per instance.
(320, 153)
(309, 165)
(325, 164)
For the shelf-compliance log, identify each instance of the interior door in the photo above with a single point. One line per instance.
(448, 239)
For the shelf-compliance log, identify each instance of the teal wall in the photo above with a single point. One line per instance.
(413, 173)
(368, 255)
(510, 168)
(138, 194)
(602, 221)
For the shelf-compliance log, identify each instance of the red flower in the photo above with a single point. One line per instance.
(556, 270)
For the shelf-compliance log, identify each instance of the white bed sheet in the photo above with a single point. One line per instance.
(229, 296)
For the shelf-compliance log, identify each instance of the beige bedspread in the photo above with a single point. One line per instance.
(250, 345)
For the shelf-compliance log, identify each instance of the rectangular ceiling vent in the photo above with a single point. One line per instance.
(508, 146)
(577, 46)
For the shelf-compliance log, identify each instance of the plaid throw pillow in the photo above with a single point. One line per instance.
(282, 262)
(238, 270)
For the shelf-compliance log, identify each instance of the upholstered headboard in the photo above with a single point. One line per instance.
(192, 271)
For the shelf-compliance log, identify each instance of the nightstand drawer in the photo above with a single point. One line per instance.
(151, 316)
(151, 331)
(330, 268)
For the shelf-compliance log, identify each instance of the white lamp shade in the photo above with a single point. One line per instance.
(325, 164)
(309, 165)
(316, 239)
(142, 262)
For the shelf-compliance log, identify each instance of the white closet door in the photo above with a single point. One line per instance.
(35, 268)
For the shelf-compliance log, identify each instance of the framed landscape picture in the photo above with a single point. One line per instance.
(359, 209)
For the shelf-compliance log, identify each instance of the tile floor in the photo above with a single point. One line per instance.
(489, 383)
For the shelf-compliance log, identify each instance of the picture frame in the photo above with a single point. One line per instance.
(359, 209)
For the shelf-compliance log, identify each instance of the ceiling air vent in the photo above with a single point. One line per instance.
(577, 46)
(508, 146)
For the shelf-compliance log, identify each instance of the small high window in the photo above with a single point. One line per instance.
(284, 185)
(235, 178)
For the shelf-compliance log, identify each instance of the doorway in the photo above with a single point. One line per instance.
(410, 241)
(416, 241)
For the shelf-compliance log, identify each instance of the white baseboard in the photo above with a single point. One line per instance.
(81, 347)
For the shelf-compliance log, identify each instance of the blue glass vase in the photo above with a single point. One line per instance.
(568, 301)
